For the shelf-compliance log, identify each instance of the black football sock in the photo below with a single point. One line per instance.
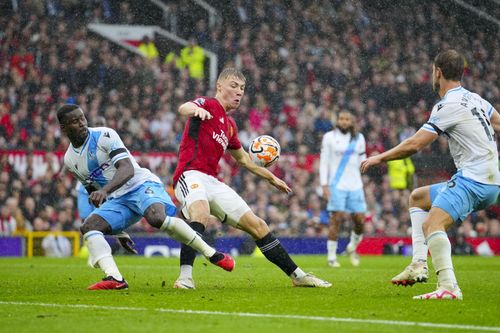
(276, 253)
(188, 254)
(218, 256)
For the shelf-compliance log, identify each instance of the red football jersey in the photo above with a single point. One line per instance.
(204, 141)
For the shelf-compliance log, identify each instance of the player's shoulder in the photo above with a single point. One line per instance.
(103, 132)
(203, 101)
(67, 153)
(330, 134)
(102, 129)
(361, 137)
(483, 103)
(446, 105)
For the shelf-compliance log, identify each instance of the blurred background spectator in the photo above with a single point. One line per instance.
(304, 62)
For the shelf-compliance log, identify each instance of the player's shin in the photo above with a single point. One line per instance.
(331, 245)
(354, 240)
(100, 254)
(276, 253)
(188, 254)
(440, 248)
(417, 217)
(182, 232)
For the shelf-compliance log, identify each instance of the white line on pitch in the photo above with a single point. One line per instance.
(266, 315)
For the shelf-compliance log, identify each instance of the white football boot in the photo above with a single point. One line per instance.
(443, 292)
(310, 280)
(333, 263)
(413, 273)
(184, 283)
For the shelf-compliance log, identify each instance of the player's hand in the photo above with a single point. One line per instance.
(369, 162)
(326, 192)
(98, 197)
(280, 185)
(202, 114)
(126, 242)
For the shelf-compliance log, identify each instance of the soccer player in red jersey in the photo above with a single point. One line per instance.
(207, 135)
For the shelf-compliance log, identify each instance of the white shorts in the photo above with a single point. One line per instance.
(225, 203)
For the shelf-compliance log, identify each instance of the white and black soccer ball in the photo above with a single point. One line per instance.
(264, 150)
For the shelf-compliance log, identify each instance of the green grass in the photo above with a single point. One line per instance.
(49, 295)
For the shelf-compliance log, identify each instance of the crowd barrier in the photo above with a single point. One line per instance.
(153, 245)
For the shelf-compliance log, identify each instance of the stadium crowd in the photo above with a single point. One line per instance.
(333, 55)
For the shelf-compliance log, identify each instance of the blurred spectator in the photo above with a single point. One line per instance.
(401, 173)
(148, 48)
(356, 55)
(461, 247)
(7, 222)
(56, 246)
(193, 57)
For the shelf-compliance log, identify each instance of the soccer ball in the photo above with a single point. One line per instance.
(264, 150)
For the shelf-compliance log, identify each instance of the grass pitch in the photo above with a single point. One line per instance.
(49, 295)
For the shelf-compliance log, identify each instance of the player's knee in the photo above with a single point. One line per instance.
(155, 215)
(418, 198)
(415, 197)
(156, 219)
(93, 223)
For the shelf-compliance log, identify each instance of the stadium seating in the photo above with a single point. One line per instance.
(353, 55)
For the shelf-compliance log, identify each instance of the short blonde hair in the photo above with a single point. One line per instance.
(231, 72)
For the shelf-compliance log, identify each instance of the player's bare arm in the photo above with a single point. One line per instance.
(189, 109)
(124, 172)
(244, 160)
(408, 147)
(495, 121)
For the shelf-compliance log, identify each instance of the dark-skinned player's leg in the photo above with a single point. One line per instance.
(182, 232)
(93, 230)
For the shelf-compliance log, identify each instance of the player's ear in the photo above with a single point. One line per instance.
(439, 73)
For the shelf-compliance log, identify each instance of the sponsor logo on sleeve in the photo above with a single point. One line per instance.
(200, 101)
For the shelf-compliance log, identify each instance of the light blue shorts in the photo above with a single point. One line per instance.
(461, 196)
(346, 201)
(124, 211)
(83, 204)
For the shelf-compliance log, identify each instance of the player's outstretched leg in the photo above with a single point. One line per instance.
(276, 253)
(183, 233)
(100, 256)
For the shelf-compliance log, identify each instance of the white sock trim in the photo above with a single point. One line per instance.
(297, 273)
(186, 272)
